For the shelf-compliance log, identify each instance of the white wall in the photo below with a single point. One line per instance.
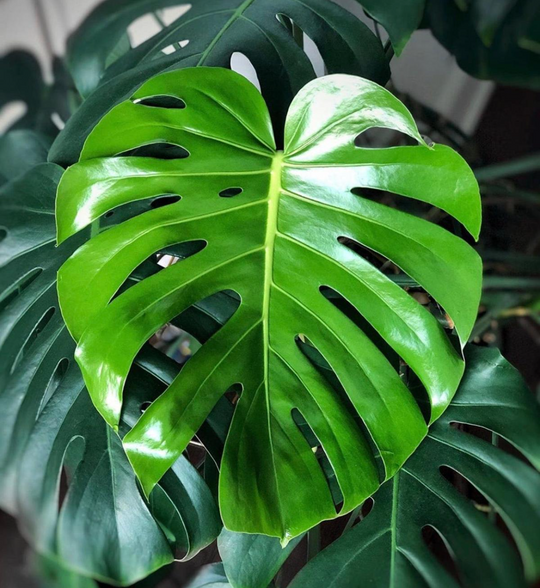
(424, 70)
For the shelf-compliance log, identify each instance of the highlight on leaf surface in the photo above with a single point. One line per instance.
(287, 233)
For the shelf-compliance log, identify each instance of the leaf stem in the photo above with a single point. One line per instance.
(163, 25)
(389, 51)
(94, 229)
(313, 542)
(356, 513)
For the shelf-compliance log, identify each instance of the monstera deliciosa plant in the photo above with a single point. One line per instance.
(279, 230)
(332, 316)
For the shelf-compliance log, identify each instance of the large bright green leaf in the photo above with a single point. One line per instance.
(102, 527)
(214, 31)
(386, 550)
(269, 226)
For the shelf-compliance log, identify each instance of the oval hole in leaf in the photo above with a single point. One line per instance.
(231, 192)
(158, 151)
(380, 137)
(366, 508)
(161, 101)
(3, 234)
(144, 406)
(234, 392)
(164, 201)
(162, 259)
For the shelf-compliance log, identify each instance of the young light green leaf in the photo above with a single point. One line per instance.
(276, 228)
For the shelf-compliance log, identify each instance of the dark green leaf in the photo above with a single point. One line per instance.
(215, 32)
(22, 81)
(20, 151)
(400, 18)
(251, 561)
(51, 574)
(386, 550)
(48, 424)
(490, 40)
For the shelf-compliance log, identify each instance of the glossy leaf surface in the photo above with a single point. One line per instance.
(252, 561)
(50, 429)
(269, 226)
(211, 33)
(387, 549)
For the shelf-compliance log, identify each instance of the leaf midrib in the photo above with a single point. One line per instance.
(235, 16)
(274, 193)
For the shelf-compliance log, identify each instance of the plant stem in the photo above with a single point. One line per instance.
(356, 513)
(163, 25)
(94, 229)
(313, 542)
(389, 51)
(515, 167)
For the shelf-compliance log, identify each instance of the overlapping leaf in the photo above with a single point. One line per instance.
(49, 425)
(400, 18)
(252, 561)
(213, 31)
(22, 82)
(270, 227)
(495, 41)
(25, 84)
(387, 550)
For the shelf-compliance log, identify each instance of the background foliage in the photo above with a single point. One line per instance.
(57, 458)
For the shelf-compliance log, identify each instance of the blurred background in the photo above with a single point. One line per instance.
(496, 128)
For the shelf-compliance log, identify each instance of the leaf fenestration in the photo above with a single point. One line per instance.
(278, 244)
